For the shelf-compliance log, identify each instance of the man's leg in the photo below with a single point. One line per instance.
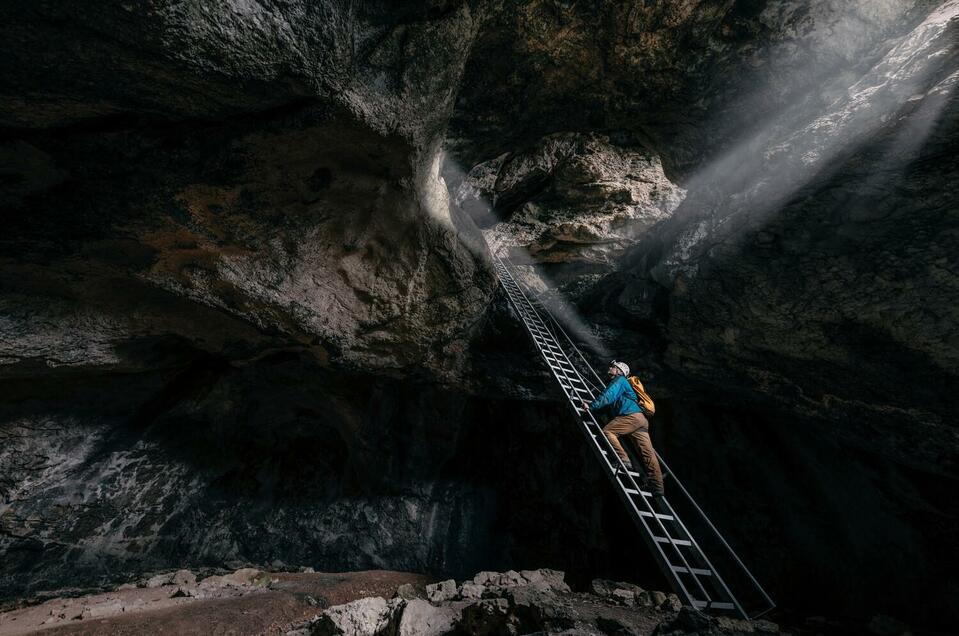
(622, 425)
(645, 447)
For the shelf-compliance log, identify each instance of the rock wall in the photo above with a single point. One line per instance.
(286, 462)
(245, 312)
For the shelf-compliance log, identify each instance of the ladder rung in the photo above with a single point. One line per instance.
(683, 542)
(714, 605)
(643, 513)
(697, 571)
(633, 491)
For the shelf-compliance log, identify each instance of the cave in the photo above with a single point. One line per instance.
(248, 313)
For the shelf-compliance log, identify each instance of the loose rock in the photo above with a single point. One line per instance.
(420, 618)
(366, 616)
(443, 591)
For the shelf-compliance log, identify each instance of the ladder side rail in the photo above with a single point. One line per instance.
(723, 541)
(652, 512)
(542, 308)
(708, 563)
(709, 523)
(678, 521)
(578, 410)
(565, 376)
(566, 335)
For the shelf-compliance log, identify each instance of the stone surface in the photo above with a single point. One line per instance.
(571, 197)
(183, 578)
(408, 592)
(470, 590)
(486, 617)
(159, 580)
(420, 618)
(625, 593)
(367, 616)
(689, 623)
(442, 591)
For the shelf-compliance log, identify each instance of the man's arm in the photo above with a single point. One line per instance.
(609, 396)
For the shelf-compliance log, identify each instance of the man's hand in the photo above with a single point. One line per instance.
(585, 405)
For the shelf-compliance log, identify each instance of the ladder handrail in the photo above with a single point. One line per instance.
(699, 511)
(722, 539)
(653, 514)
(533, 319)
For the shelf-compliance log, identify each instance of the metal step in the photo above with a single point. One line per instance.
(681, 542)
(697, 571)
(659, 515)
(713, 605)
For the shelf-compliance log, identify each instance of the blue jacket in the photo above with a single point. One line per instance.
(620, 396)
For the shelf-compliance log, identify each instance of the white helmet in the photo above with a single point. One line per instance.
(622, 366)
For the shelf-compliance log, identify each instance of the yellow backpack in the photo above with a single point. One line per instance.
(644, 400)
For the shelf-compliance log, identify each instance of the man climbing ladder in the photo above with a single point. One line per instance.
(680, 556)
(629, 419)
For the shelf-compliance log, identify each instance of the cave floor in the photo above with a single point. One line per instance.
(289, 598)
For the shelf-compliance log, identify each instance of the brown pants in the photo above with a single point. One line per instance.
(637, 427)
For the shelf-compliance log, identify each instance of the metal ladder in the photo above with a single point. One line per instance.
(680, 557)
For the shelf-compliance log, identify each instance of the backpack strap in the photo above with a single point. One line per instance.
(632, 395)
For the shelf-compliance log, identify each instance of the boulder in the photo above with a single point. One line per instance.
(602, 587)
(545, 579)
(553, 579)
(442, 591)
(159, 580)
(242, 577)
(471, 590)
(213, 582)
(420, 618)
(362, 617)
(644, 598)
(672, 603)
(487, 617)
(408, 592)
(623, 593)
(183, 578)
(623, 597)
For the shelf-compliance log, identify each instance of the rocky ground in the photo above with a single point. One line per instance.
(245, 601)
(380, 603)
